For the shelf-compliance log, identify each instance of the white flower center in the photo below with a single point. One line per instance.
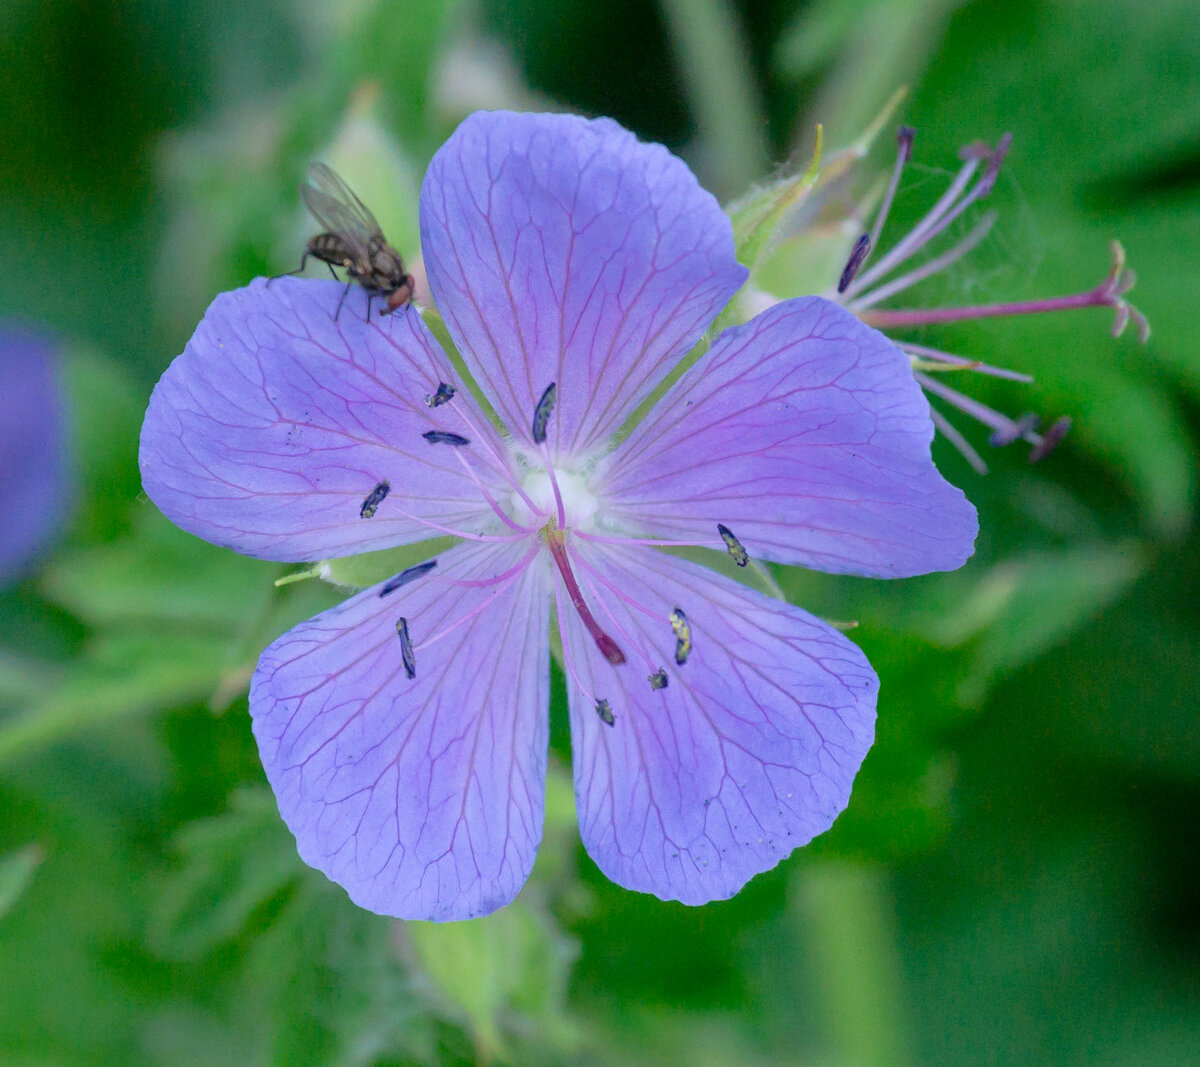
(580, 504)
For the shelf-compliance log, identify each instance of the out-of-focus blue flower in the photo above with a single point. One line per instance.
(405, 732)
(33, 450)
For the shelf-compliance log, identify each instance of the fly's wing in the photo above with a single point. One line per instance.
(333, 204)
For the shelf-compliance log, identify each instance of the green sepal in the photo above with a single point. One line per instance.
(757, 215)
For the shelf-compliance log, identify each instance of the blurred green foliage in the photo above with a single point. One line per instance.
(1016, 877)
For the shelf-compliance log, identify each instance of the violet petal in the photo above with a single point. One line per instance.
(423, 798)
(804, 432)
(746, 754)
(279, 420)
(562, 250)
(33, 454)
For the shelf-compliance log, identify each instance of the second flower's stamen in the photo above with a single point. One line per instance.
(445, 437)
(858, 256)
(953, 202)
(374, 498)
(904, 146)
(659, 679)
(406, 648)
(1026, 424)
(1005, 430)
(445, 393)
(405, 576)
(939, 263)
(733, 546)
(683, 635)
(952, 434)
(604, 710)
(924, 354)
(558, 550)
(1109, 293)
(1050, 439)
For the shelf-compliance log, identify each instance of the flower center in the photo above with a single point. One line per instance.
(579, 504)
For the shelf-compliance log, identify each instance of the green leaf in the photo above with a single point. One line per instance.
(106, 417)
(302, 972)
(1025, 606)
(159, 573)
(230, 865)
(506, 968)
(16, 872)
(120, 676)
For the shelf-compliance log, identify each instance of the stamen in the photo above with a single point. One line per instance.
(988, 416)
(1021, 428)
(500, 582)
(604, 710)
(445, 393)
(444, 437)
(659, 679)
(926, 270)
(734, 546)
(922, 352)
(483, 444)
(683, 636)
(374, 499)
(406, 576)
(541, 414)
(904, 141)
(497, 510)
(1050, 439)
(1005, 430)
(858, 256)
(948, 208)
(406, 648)
(952, 434)
(608, 647)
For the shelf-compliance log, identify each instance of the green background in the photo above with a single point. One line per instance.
(1017, 879)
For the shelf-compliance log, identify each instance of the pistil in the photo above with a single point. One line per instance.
(558, 549)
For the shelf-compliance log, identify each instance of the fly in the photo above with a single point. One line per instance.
(353, 241)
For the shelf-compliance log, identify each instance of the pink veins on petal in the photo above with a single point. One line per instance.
(405, 731)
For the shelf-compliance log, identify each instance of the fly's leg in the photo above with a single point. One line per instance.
(349, 285)
(293, 273)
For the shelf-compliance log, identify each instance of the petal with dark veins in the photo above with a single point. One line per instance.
(422, 797)
(747, 753)
(282, 416)
(805, 434)
(567, 251)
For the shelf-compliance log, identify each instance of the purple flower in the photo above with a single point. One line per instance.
(405, 732)
(33, 454)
